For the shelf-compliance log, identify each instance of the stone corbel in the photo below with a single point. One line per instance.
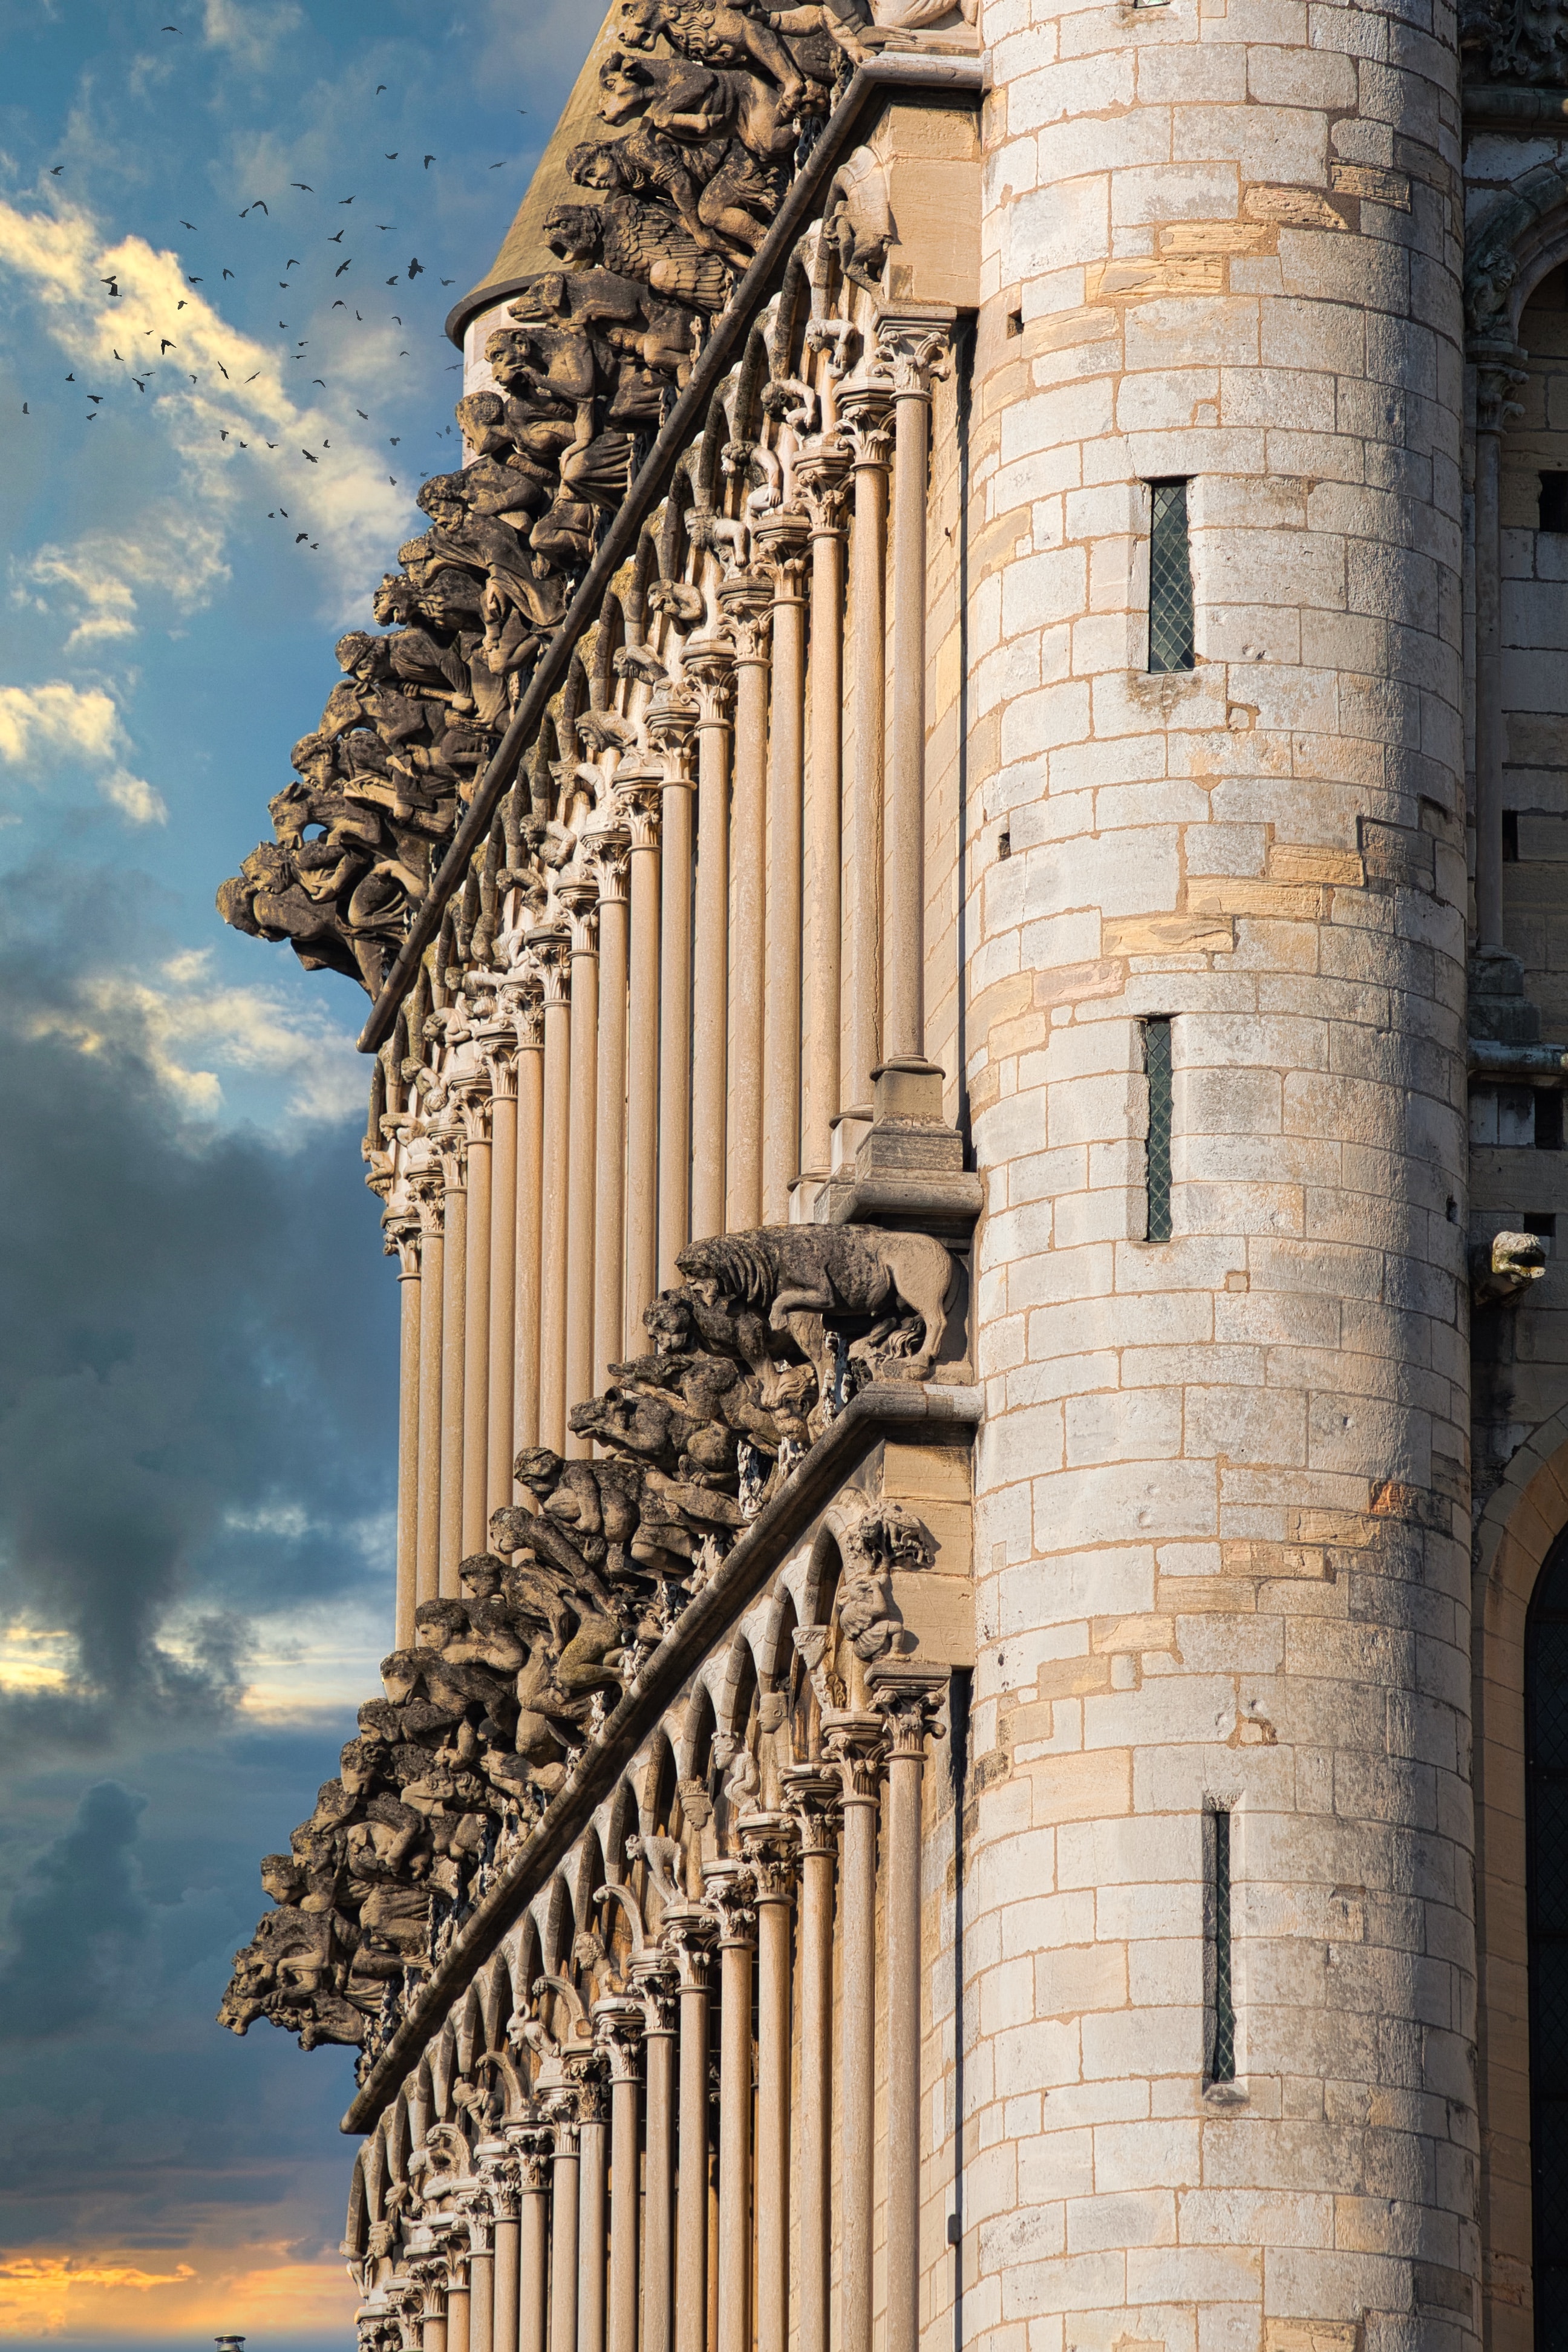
(914, 346)
(1505, 1268)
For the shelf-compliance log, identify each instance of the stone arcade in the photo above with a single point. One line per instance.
(964, 786)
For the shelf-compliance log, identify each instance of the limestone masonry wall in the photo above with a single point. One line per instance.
(1221, 1536)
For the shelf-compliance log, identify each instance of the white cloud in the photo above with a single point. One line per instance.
(212, 381)
(39, 720)
(250, 30)
(190, 1029)
(41, 726)
(134, 797)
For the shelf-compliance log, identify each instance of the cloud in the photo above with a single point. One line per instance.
(103, 573)
(78, 1925)
(180, 1021)
(40, 725)
(36, 720)
(211, 380)
(251, 33)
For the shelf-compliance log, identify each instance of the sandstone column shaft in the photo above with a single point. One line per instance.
(453, 1356)
(642, 1077)
(457, 2318)
(505, 2329)
(533, 2264)
(815, 2130)
(735, 2143)
(500, 1446)
(857, 2056)
(529, 1234)
(691, 2209)
(675, 1028)
(825, 929)
(869, 637)
(658, 2205)
(624, 2200)
(591, 2226)
(748, 973)
(782, 1003)
(903, 957)
(905, 1766)
(432, 1296)
(710, 981)
(581, 1174)
(481, 2301)
(610, 1199)
(770, 2293)
(553, 1213)
(563, 2243)
(408, 1387)
(476, 1343)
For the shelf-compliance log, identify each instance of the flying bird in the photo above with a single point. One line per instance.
(139, 382)
(168, 28)
(321, 381)
(303, 183)
(189, 225)
(500, 166)
(379, 87)
(338, 272)
(194, 281)
(55, 171)
(392, 279)
(305, 453)
(228, 273)
(299, 535)
(385, 225)
(291, 263)
(284, 324)
(113, 287)
(448, 281)
(251, 379)
(179, 306)
(393, 479)
(416, 267)
(222, 371)
(72, 378)
(358, 412)
(429, 160)
(394, 439)
(326, 444)
(393, 157)
(95, 397)
(120, 357)
(24, 408)
(340, 304)
(166, 345)
(345, 200)
(336, 240)
(223, 432)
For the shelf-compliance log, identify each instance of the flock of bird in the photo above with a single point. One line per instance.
(141, 367)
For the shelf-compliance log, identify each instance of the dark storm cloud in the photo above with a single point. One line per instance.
(197, 1377)
(80, 1923)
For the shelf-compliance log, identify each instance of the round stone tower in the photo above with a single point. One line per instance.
(1219, 1942)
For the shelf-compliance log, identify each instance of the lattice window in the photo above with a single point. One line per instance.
(1157, 1176)
(1222, 2039)
(1170, 579)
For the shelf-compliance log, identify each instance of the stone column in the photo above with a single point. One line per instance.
(403, 1238)
(671, 723)
(618, 2031)
(564, 2187)
(555, 1192)
(782, 537)
(854, 1744)
(457, 2286)
(431, 2277)
(769, 1843)
(729, 1889)
(747, 599)
(481, 2279)
(452, 1145)
(905, 1695)
(530, 1023)
(581, 897)
(641, 801)
(503, 2187)
(911, 342)
(424, 1183)
(500, 1383)
(820, 470)
(711, 661)
(656, 1988)
(866, 408)
(812, 1794)
(688, 1933)
(476, 1116)
(611, 851)
(532, 2145)
(593, 2214)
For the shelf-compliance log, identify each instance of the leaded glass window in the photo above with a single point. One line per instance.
(1157, 1177)
(1170, 579)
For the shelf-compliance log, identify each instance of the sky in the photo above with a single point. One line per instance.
(198, 1326)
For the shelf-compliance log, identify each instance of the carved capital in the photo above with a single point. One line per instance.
(503, 2186)
(402, 1233)
(532, 2144)
(688, 1933)
(908, 1697)
(914, 346)
(730, 1891)
(856, 1741)
(612, 865)
(618, 2023)
(1497, 375)
(452, 1144)
(671, 726)
(771, 1844)
(812, 1795)
(639, 799)
(866, 408)
(710, 661)
(555, 967)
(780, 538)
(822, 469)
(579, 893)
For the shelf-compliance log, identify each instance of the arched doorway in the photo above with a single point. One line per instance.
(1546, 1834)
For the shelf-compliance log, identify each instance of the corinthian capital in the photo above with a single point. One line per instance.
(914, 342)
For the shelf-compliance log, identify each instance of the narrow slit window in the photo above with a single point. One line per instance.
(1553, 502)
(1170, 578)
(1157, 1150)
(1222, 2035)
